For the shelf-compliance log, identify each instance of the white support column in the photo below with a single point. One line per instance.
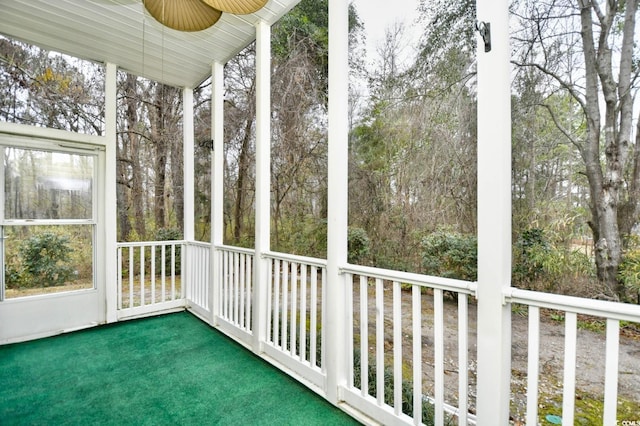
(494, 216)
(263, 183)
(188, 190)
(217, 184)
(110, 208)
(335, 316)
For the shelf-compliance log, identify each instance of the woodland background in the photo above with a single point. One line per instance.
(412, 143)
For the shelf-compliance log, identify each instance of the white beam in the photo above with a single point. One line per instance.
(263, 182)
(334, 317)
(217, 183)
(110, 208)
(188, 164)
(494, 216)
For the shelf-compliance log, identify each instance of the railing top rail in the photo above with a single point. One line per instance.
(150, 243)
(446, 284)
(599, 308)
(312, 261)
(199, 244)
(234, 249)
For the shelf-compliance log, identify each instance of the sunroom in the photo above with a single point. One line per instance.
(312, 318)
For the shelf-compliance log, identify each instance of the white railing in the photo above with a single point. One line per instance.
(296, 287)
(197, 280)
(149, 277)
(410, 337)
(568, 308)
(396, 333)
(233, 291)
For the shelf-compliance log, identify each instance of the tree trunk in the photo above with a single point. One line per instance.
(607, 186)
(122, 155)
(243, 169)
(177, 179)
(136, 199)
(159, 139)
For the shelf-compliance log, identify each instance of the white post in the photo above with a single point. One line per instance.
(263, 183)
(494, 216)
(188, 190)
(187, 194)
(335, 315)
(110, 208)
(217, 185)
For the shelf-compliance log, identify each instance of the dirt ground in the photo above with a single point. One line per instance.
(590, 359)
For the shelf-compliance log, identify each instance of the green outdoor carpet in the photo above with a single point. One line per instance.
(168, 370)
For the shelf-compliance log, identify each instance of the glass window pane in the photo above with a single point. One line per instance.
(44, 88)
(47, 185)
(47, 259)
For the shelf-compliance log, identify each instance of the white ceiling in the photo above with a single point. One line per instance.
(122, 32)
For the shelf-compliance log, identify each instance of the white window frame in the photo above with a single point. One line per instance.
(50, 145)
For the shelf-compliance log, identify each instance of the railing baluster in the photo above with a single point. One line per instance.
(248, 275)
(241, 315)
(569, 384)
(285, 303)
(131, 276)
(194, 278)
(323, 308)
(183, 288)
(204, 277)
(236, 288)
(349, 334)
(463, 359)
(533, 368)
(119, 283)
(276, 307)
(303, 312)
(379, 341)
(208, 275)
(271, 295)
(438, 338)
(142, 289)
(230, 279)
(397, 348)
(611, 372)
(163, 268)
(313, 325)
(364, 335)
(416, 312)
(198, 274)
(194, 290)
(152, 271)
(294, 313)
(220, 286)
(173, 272)
(225, 285)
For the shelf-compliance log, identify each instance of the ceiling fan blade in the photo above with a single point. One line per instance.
(238, 7)
(183, 15)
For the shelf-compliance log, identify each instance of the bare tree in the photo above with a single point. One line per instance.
(586, 49)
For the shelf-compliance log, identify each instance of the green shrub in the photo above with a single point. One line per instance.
(629, 268)
(168, 234)
(358, 243)
(537, 260)
(451, 255)
(46, 258)
(14, 275)
(531, 249)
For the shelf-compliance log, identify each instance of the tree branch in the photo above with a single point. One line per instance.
(568, 87)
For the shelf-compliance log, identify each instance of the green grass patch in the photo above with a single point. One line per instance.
(588, 408)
